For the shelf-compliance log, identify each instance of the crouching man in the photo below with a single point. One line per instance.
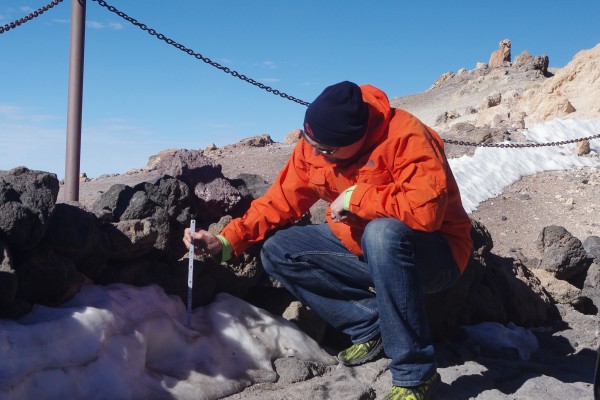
(395, 224)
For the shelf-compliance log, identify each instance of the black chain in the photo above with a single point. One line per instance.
(36, 13)
(197, 55)
(518, 145)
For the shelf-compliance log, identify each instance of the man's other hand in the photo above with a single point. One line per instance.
(204, 241)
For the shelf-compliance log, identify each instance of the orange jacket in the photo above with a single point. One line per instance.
(402, 172)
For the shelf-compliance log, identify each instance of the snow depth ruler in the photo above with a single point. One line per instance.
(190, 275)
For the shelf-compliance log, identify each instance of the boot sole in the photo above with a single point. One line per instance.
(368, 357)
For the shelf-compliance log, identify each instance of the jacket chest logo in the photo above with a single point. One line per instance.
(370, 163)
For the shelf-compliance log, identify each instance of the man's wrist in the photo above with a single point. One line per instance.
(227, 250)
(347, 196)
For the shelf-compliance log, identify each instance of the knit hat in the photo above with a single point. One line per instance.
(337, 117)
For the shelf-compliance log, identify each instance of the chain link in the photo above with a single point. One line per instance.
(36, 13)
(518, 145)
(197, 55)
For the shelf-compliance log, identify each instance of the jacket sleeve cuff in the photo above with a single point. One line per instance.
(357, 195)
(227, 251)
(347, 196)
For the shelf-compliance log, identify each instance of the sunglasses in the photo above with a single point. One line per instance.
(328, 151)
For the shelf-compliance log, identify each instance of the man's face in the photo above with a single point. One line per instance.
(335, 154)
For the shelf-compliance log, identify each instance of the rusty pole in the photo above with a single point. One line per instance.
(74, 102)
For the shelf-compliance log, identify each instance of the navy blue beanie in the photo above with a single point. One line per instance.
(337, 117)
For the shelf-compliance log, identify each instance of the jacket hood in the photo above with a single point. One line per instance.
(380, 113)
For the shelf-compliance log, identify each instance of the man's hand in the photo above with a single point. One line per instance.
(338, 214)
(204, 242)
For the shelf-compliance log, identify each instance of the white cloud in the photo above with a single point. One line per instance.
(90, 24)
(94, 25)
(31, 143)
(270, 80)
(38, 141)
(269, 64)
(61, 21)
(116, 26)
(14, 113)
(10, 110)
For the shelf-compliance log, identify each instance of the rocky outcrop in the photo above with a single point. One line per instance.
(572, 91)
(491, 289)
(529, 93)
(293, 136)
(27, 199)
(500, 56)
(30, 270)
(132, 234)
(527, 62)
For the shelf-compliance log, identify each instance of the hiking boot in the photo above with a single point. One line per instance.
(362, 352)
(424, 391)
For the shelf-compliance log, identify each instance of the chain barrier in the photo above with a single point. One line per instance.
(519, 145)
(197, 55)
(35, 14)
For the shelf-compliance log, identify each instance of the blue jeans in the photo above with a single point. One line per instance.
(379, 293)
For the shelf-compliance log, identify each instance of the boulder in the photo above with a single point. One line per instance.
(591, 285)
(167, 203)
(526, 62)
(306, 319)
(112, 203)
(502, 55)
(592, 247)
(8, 278)
(292, 370)
(46, 277)
(491, 289)
(217, 198)
(250, 185)
(131, 239)
(77, 235)
(189, 166)
(27, 200)
(257, 141)
(540, 108)
(563, 254)
(492, 100)
(582, 148)
(293, 137)
(562, 292)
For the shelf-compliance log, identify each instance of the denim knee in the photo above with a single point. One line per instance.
(379, 232)
(268, 254)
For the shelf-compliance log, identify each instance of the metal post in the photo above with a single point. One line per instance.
(74, 104)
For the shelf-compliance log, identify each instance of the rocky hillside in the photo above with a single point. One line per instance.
(509, 94)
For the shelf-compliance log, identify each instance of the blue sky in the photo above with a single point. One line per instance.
(142, 95)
